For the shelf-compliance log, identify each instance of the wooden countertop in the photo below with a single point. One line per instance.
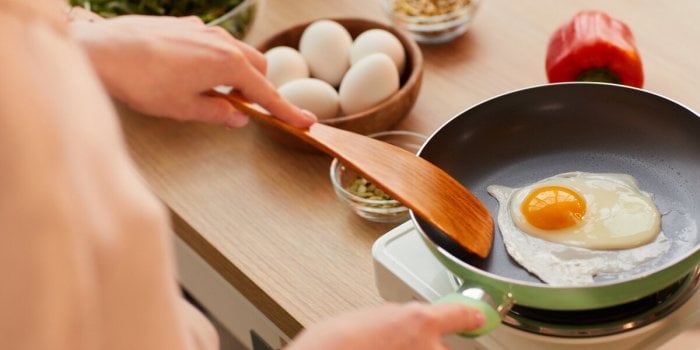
(266, 217)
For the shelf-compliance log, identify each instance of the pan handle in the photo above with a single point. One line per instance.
(478, 298)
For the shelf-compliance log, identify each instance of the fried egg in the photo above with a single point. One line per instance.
(570, 228)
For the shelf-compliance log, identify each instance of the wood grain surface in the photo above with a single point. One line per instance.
(266, 216)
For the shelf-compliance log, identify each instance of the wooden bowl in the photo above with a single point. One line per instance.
(378, 118)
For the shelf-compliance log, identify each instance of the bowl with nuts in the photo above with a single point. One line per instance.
(431, 21)
(367, 200)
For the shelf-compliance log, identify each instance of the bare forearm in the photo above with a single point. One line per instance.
(84, 247)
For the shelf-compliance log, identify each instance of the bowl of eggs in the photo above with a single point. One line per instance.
(354, 74)
(594, 190)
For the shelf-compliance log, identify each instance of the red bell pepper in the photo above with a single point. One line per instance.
(593, 46)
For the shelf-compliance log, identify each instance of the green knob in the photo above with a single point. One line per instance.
(492, 317)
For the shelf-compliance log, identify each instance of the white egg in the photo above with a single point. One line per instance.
(285, 64)
(378, 40)
(612, 237)
(313, 95)
(367, 83)
(325, 45)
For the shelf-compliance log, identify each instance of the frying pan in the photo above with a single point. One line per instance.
(523, 136)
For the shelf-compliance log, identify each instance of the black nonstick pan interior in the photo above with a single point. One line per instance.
(524, 136)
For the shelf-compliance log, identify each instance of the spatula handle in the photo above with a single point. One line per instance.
(308, 135)
(243, 104)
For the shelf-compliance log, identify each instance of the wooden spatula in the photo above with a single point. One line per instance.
(430, 192)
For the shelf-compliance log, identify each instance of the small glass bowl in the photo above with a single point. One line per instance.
(427, 23)
(373, 209)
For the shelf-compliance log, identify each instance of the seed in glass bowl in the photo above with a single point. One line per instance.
(365, 189)
(428, 7)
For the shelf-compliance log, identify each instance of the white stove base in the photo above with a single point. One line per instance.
(406, 270)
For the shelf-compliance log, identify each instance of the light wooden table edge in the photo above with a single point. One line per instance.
(233, 275)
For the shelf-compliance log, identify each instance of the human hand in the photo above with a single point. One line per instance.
(412, 326)
(83, 240)
(163, 66)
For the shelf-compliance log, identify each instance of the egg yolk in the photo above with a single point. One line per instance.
(553, 208)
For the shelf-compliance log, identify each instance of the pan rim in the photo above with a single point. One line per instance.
(543, 285)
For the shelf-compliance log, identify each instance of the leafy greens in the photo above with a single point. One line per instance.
(207, 10)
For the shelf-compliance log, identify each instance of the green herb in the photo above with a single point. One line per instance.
(207, 10)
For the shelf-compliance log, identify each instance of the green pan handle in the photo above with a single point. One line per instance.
(491, 315)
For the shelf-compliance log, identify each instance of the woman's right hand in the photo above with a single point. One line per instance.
(414, 326)
(164, 66)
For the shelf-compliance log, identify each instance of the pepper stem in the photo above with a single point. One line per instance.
(602, 75)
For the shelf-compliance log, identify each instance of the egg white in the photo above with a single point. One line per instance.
(565, 265)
